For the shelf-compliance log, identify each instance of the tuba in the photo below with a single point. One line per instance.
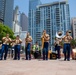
(69, 31)
(59, 34)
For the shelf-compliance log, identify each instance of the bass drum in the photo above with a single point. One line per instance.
(52, 55)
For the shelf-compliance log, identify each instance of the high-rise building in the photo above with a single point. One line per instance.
(52, 17)
(2, 8)
(6, 12)
(16, 21)
(24, 22)
(73, 24)
(32, 18)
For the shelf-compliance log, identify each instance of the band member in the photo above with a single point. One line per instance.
(57, 46)
(0, 49)
(45, 43)
(12, 48)
(67, 47)
(28, 41)
(36, 50)
(18, 42)
(6, 40)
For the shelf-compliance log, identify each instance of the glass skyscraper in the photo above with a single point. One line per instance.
(24, 22)
(52, 17)
(6, 12)
(32, 18)
(2, 9)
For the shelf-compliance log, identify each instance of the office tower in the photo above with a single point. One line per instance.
(24, 22)
(32, 18)
(52, 17)
(73, 24)
(6, 12)
(16, 20)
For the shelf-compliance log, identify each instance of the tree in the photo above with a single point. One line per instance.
(73, 43)
(4, 30)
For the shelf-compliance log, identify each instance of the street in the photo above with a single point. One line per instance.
(37, 67)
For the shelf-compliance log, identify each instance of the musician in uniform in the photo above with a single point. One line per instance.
(18, 42)
(67, 47)
(6, 40)
(57, 46)
(12, 48)
(0, 49)
(28, 41)
(45, 43)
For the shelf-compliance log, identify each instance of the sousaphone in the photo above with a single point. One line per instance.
(59, 34)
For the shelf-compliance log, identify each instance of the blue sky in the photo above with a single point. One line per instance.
(24, 5)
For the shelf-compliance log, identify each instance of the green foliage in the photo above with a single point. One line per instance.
(4, 30)
(73, 43)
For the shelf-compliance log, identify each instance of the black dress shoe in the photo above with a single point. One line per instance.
(26, 59)
(14, 59)
(18, 59)
(0, 59)
(64, 59)
(46, 58)
(4, 58)
(68, 59)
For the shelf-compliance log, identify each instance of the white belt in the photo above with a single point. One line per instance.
(6, 43)
(28, 42)
(67, 42)
(17, 44)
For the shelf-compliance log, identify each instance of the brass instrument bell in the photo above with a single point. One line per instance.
(69, 31)
(59, 34)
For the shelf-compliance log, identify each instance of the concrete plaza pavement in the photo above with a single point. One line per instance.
(37, 67)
